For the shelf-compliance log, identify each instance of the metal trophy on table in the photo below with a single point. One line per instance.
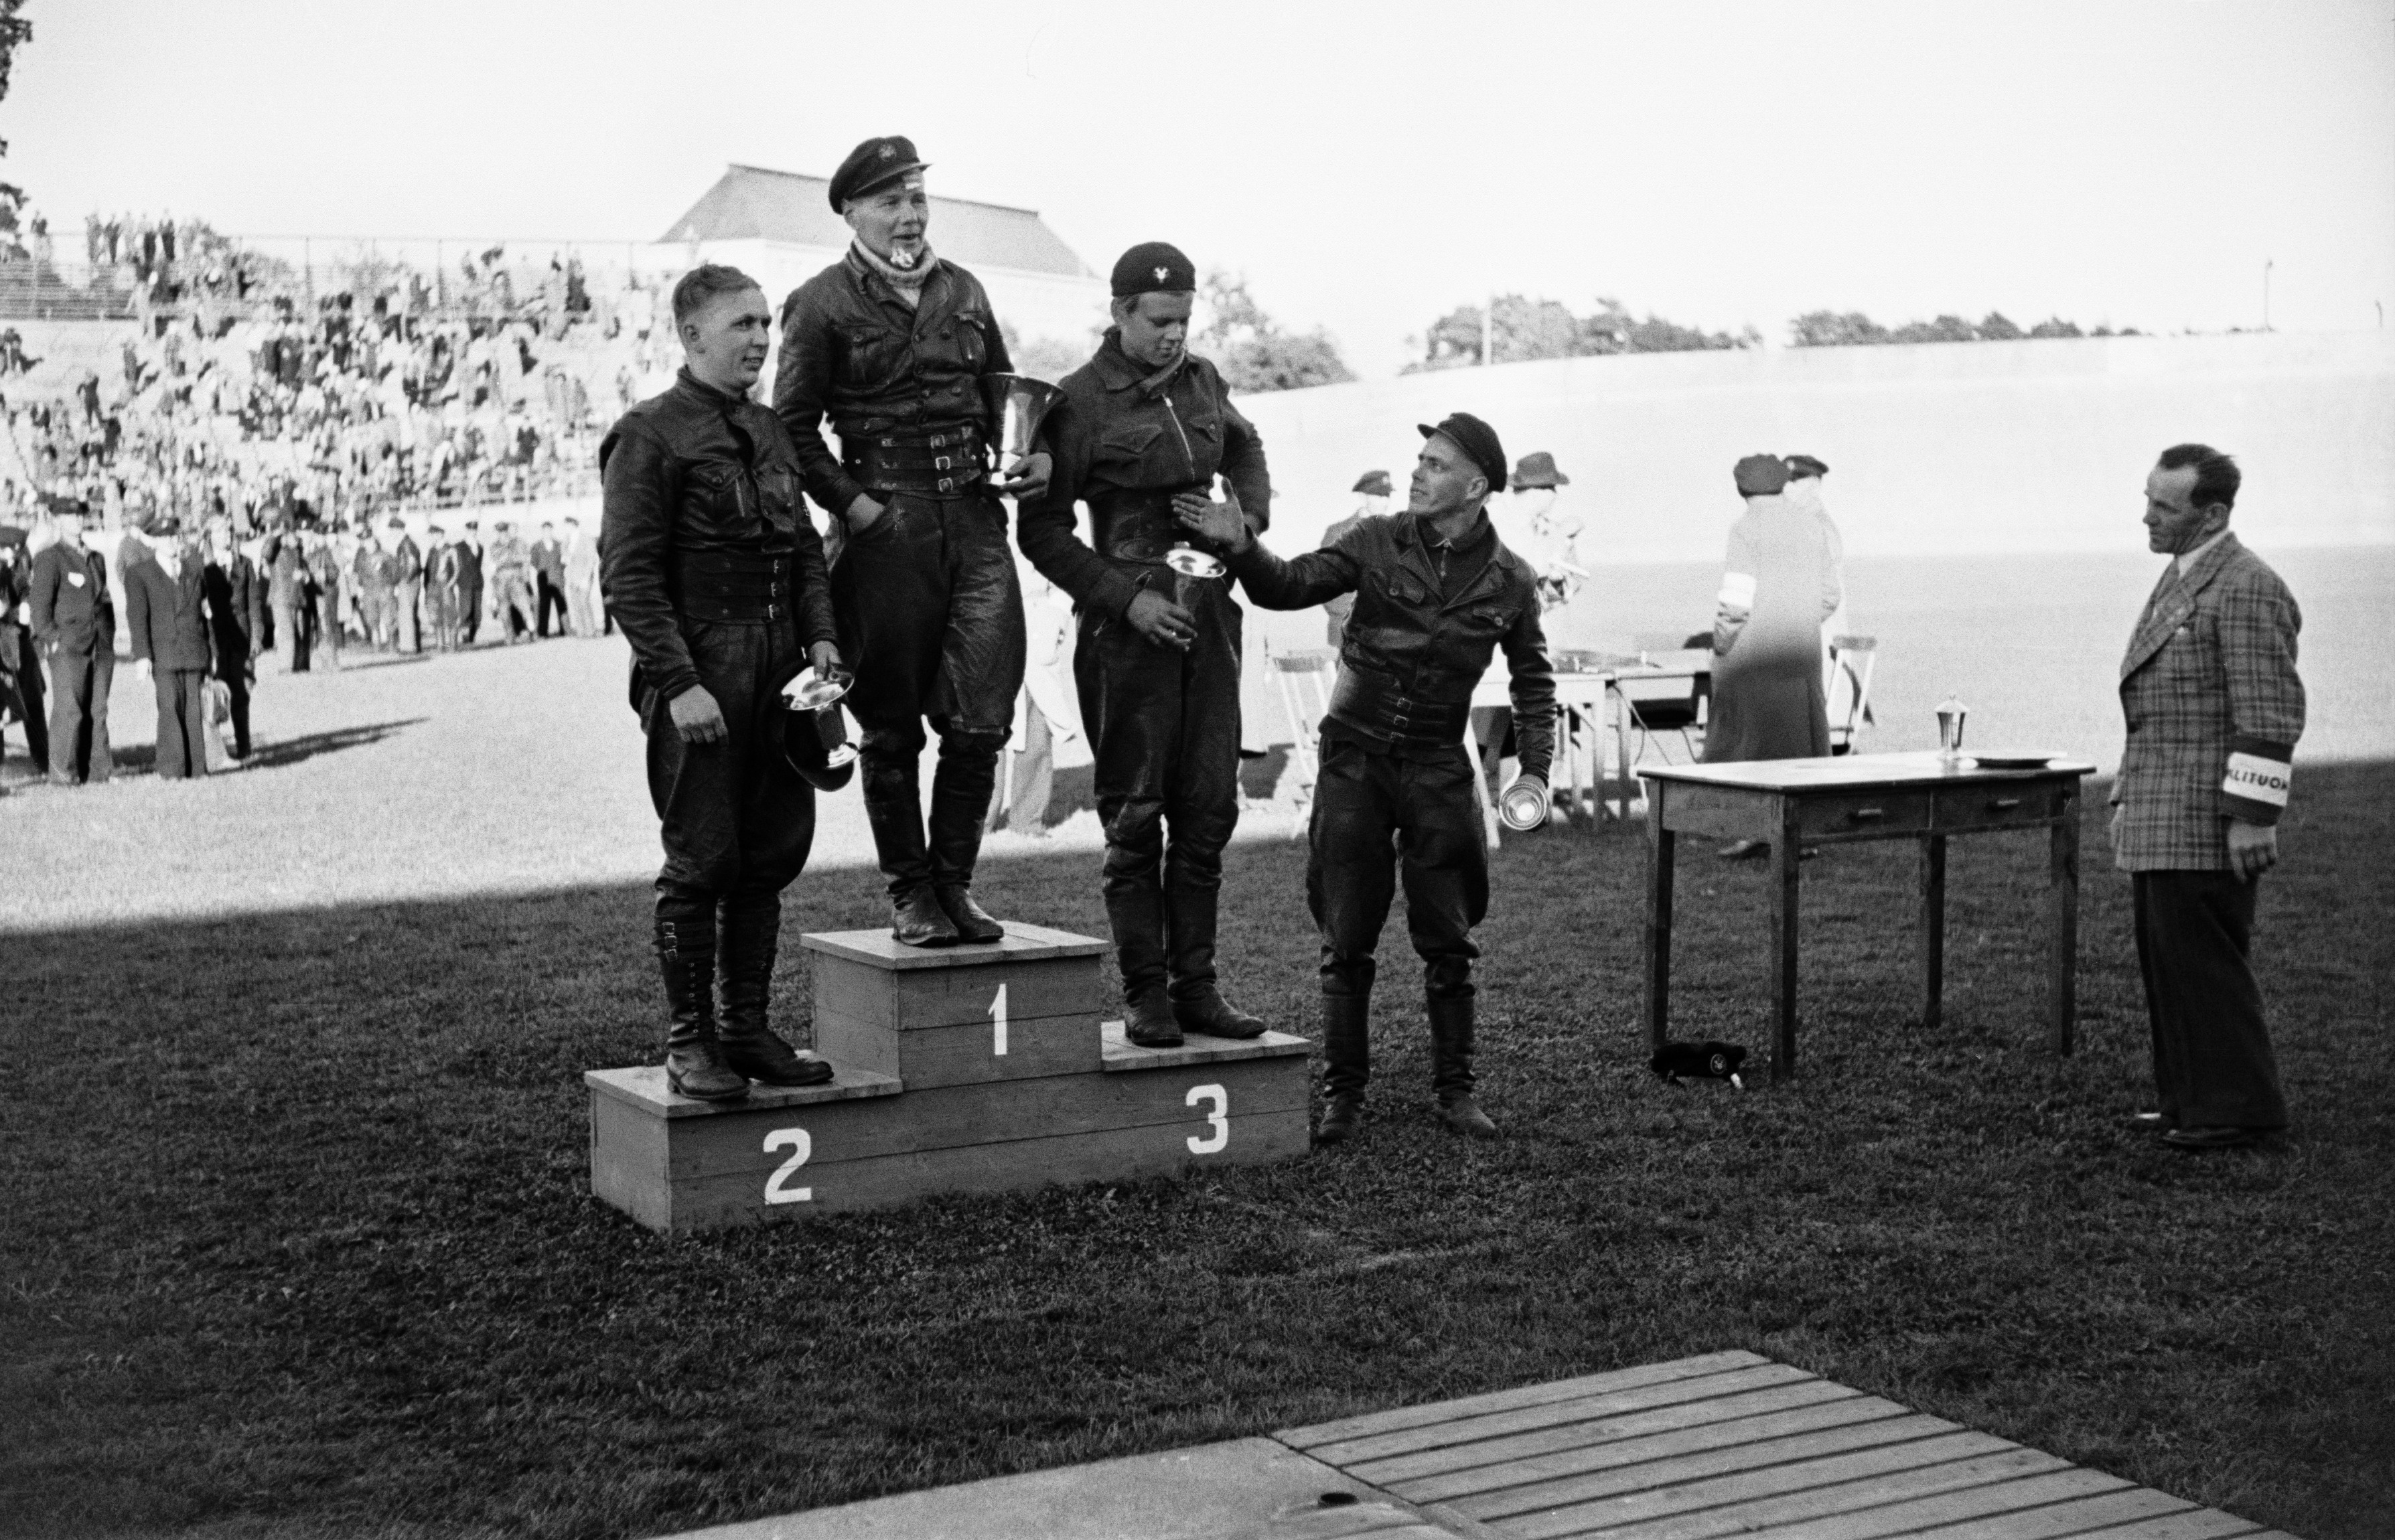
(815, 734)
(1020, 404)
(1951, 715)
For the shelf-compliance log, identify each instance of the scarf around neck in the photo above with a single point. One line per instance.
(907, 283)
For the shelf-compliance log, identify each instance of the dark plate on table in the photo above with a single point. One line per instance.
(2013, 760)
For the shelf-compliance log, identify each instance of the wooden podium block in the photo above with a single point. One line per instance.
(942, 1088)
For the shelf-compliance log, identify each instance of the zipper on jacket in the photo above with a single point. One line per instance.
(1187, 454)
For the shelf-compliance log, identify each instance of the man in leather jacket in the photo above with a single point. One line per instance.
(892, 345)
(1437, 594)
(1158, 657)
(716, 576)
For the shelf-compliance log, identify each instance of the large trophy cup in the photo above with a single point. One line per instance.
(1020, 404)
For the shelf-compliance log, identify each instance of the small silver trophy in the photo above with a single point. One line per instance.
(1020, 403)
(814, 737)
(1524, 806)
(1950, 713)
(1191, 565)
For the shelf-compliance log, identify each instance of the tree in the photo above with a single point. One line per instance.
(1520, 330)
(2051, 326)
(1996, 327)
(1252, 350)
(14, 31)
(1830, 329)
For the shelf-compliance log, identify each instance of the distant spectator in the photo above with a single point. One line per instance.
(1372, 489)
(166, 611)
(549, 574)
(1779, 582)
(74, 628)
(230, 584)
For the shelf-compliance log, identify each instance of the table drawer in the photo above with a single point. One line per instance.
(1864, 814)
(1997, 807)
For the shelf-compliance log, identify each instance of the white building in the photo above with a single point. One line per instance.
(778, 227)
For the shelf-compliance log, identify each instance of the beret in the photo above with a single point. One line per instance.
(1374, 483)
(1538, 469)
(870, 164)
(1760, 476)
(1800, 466)
(1477, 438)
(1153, 267)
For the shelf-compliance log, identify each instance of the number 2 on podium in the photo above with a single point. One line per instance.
(799, 1145)
(998, 1015)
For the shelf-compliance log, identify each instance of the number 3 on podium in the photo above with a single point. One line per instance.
(1218, 1120)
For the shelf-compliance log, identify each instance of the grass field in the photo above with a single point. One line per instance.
(298, 1238)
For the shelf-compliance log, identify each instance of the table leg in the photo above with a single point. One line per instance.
(1933, 932)
(1784, 864)
(1660, 851)
(2062, 921)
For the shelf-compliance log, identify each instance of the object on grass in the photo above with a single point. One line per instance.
(1706, 1060)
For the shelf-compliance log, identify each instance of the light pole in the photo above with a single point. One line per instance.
(2266, 265)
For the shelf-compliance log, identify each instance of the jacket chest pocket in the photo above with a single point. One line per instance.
(2192, 652)
(777, 498)
(872, 359)
(1485, 622)
(718, 498)
(971, 342)
(1126, 447)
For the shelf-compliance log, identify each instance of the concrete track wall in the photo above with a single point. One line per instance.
(1941, 449)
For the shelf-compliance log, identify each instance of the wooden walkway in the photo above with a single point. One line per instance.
(1725, 1444)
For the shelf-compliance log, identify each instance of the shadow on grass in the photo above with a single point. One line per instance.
(320, 1254)
(142, 759)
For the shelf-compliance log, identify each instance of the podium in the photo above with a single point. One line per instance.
(967, 1068)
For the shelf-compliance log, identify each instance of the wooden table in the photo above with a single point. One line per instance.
(1795, 803)
(1597, 696)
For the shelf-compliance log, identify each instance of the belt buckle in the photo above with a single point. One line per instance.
(941, 462)
(946, 484)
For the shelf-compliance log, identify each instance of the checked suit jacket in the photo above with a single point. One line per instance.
(2214, 707)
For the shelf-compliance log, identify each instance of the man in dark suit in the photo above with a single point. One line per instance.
(2214, 708)
(549, 573)
(74, 628)
(406, 590)
(441, 594)
(470, 583)
(230, 581)
(17, 652)
(165, 608)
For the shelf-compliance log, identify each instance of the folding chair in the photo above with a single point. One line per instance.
(1304, 678)
(1851, 660)
(1668, 705)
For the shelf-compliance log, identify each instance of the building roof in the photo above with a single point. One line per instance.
(751, 202)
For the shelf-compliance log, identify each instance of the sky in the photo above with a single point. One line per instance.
(1369, 167)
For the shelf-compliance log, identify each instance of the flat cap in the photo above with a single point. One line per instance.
(1154, 267)
(1801, 465)
(1477, 438)
(1761, 475)
(1374, 483)
(870, 164)
(1538, 469)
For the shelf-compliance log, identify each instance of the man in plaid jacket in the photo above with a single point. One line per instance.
(2214, 709)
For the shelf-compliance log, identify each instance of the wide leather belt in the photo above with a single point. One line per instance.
(1137, 526)
(931, 463)
(1377, 704)
(731, 585)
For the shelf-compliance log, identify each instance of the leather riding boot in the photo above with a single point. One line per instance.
(1346, 1065)
(1450, 1071)
(960, 795)
(749, 936)
(1135, 914)
(695, 1065)
(1198, 1003)
(894, 807)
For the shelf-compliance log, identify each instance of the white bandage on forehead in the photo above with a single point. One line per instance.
(2257, 780)
(1738, 590)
